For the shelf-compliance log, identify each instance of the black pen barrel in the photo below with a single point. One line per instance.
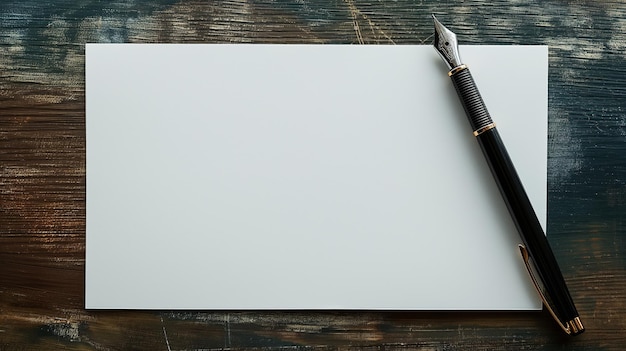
(527, 224)
(515, 197)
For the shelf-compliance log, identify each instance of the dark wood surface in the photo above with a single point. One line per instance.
(42, 170)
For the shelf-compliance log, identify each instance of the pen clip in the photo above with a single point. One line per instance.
(540, 289)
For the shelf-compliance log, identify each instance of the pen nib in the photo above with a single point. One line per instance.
(446, 45)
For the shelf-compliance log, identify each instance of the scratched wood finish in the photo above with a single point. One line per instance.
(42, 170)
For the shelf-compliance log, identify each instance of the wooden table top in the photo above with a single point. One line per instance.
(42, 170)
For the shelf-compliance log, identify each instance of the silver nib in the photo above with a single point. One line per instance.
(446, 45)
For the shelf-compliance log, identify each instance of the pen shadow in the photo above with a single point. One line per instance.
(441, 67)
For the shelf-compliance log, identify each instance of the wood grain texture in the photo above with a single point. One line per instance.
(42, 170)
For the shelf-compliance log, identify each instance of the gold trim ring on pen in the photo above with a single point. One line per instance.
(456, 69)
(478, 132)
(575, 326)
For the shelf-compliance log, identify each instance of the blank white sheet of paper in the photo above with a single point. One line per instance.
(305, 177)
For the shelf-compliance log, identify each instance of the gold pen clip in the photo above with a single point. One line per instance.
(574, 326)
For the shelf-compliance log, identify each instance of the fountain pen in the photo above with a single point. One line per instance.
(535, 249)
